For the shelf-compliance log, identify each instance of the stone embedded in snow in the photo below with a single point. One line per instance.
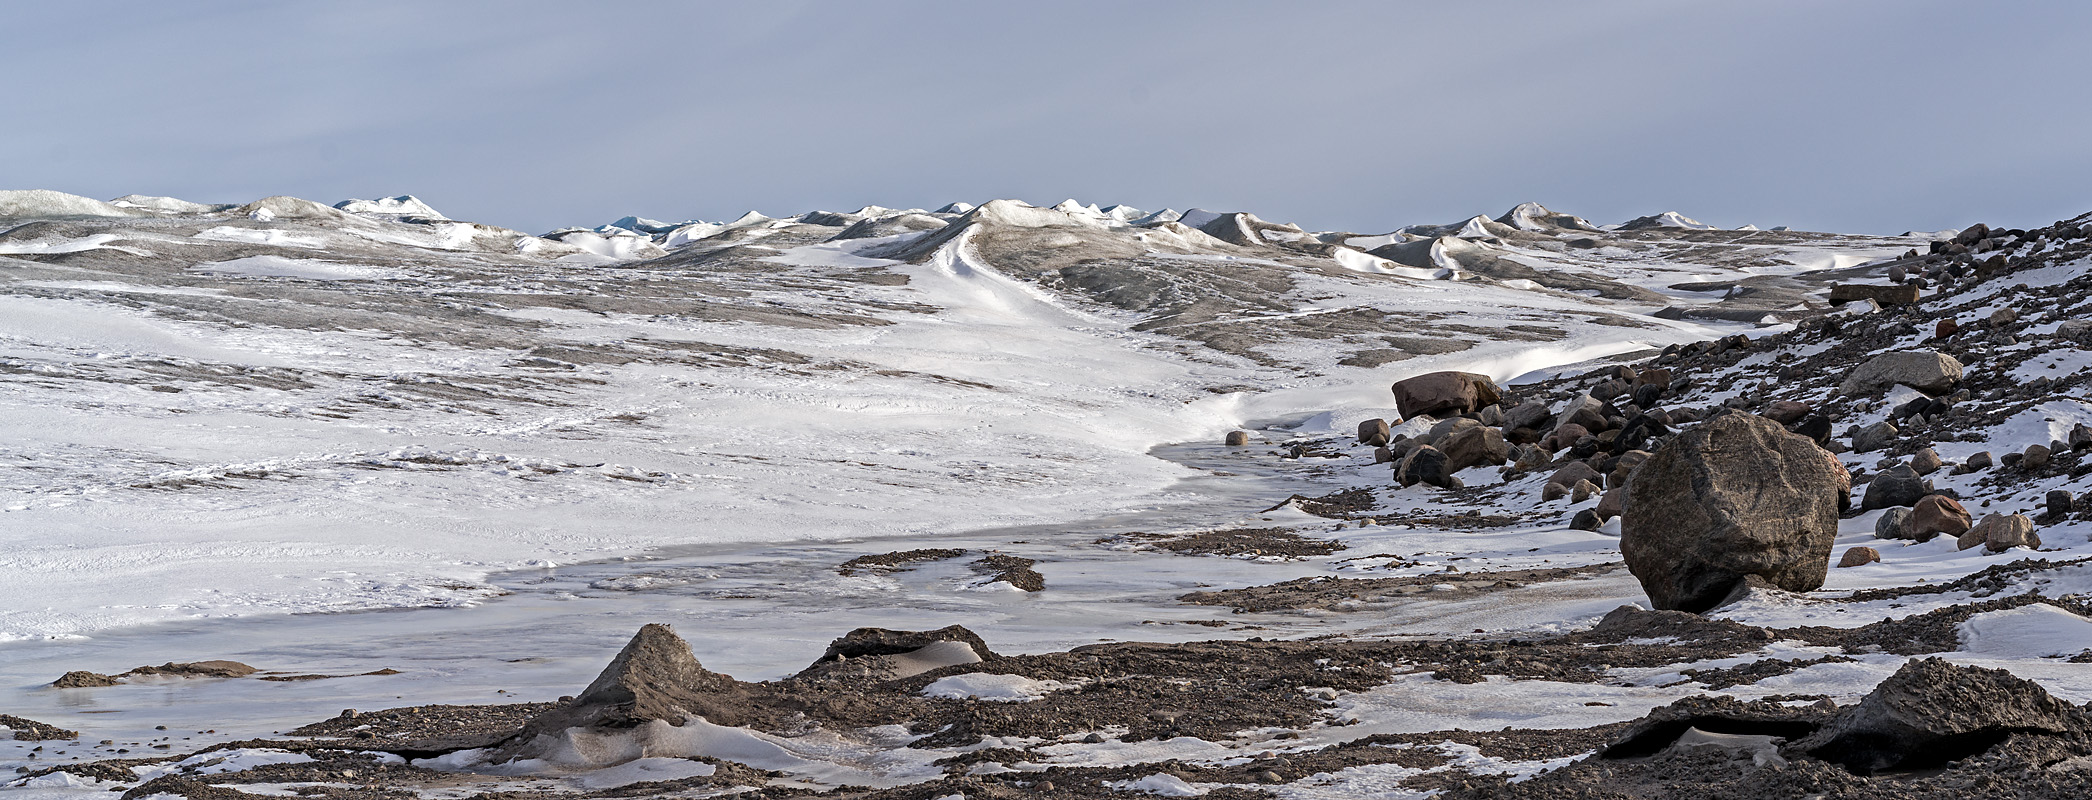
(1923, 370)
(1477, 446)
(1736, 496)
(1931, 712)
(1237, 438)
(1449, 391)
(1926, 461)
(1858, 556)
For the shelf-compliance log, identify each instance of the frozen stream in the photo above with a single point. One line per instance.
(755, 612)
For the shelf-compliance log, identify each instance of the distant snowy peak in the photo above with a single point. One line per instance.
(170, 205)
(44, 203)
(955, 208)
(1667, 219)
(644, 225)
(1159, 217)
(283, 206)
(405, 205)
(1538, 219)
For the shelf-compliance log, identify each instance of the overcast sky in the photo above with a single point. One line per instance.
(1871, 117)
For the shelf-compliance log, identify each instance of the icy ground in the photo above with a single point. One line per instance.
(221, 422)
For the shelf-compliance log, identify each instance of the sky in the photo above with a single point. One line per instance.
(1859, 115)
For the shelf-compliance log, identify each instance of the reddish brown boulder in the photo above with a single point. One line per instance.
(1439, 393)
(1934, 515)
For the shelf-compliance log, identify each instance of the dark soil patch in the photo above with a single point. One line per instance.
(1010, 569)
(1357, 594)
(1281, 542)
(885, 563)
(29, 730)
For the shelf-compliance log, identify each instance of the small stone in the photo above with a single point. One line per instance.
(1786, 412)
(1977, 463)
(1859, 555)
(1267, 776)
(2004, 316)
(1237, 438)
(1926, 461)
(1553, 492)
(1945, 329)
(1094, 738)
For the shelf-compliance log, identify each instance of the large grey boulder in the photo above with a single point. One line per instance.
(1923, 370)
(1932, 711)
(1736, 496)
(1440, 393)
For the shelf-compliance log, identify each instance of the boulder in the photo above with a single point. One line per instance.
(1548, 493)
(1934, 515)
(2035, 457)
(1624, 467)
(1931, 712)
(1923, 370)
(1382, 455)
(2080, 436)
(1441, 392)
(1817, 428)
(1585, 520)
(2001, 532)
(1944, 329)
(1446, 427)
(1859, 555)
(1475, 447)
(1424, 464)
(1583, 490)
(1573, 472)
(1611, 503)
(1237, 438)
(1786, 412)
(1528, 414)
(1896, 486)
(1926, 461)
(1375, 432)
(1893, 524)
(1736, 496)
(1564, 435)
(2075, 330)
(1976, 463)
(1875, 437)
(2060, 502)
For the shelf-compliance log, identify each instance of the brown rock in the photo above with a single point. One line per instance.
(1475, 447)
(1786, 412)
(1931, 708)
(2035, 457)
(1935, 515)
(1923, 370)
(1237, 438)
(1654, 376)
(1553, 492)
(1926, 461)
(2001, 532)
(1859, 555)
(1583, 490)
(82, 679)
(1442, 392)
(653, 678)
(1736, 496)
(1573, 472)
(1375, 432)
(1612, 503)
(1946, 328)
(1564, 435)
